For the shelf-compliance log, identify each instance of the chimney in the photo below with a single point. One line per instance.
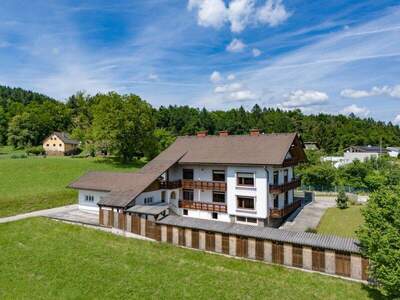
(202, 133)
(255, 132)
(223, 133)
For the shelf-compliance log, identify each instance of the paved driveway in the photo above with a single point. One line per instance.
(310, 215)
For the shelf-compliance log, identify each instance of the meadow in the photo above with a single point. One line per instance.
(45, 259)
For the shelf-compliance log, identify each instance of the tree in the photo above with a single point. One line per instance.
(123, 125)
(164, 139)
(380, 238)
(3, 127)
(342, 200)
(321, 176)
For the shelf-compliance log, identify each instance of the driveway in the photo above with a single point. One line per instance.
(310, 215)
(68, 213)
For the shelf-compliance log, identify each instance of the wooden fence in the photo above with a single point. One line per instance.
(328, 261)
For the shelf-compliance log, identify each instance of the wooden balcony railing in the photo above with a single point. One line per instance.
(277, 213)
(214, 207)
(171, 184)
(204, 185)
(289, 162)
(284, 187)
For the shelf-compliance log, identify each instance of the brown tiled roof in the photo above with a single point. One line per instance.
(65, 138)
(263, 149)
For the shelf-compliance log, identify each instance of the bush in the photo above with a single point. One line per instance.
(17, 156)
(38, 150)
(380, 239)
(312, 230)
(342, 200)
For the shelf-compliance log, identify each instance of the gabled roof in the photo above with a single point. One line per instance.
(367, 149)
(65, 138)
(264, 149)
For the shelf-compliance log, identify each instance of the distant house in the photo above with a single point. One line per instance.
(311, 146)
(59, 143)
(393, 151)
(352, 153)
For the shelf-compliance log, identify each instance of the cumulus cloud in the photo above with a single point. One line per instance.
(301, 99)
(232, 87)
(210, 13)
(256, 52)
(235, 46)
(390, 91)
(396, 120)
(357, 110)
(238, 13)
(242, 95)
(272, 13)
(215, 77)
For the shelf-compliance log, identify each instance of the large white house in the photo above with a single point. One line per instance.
(230, 178)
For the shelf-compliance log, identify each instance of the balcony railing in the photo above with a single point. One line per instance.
(214, 207)
(204, 185)
(277, 213)
(284, 187)
(171, 184)
(289, 162)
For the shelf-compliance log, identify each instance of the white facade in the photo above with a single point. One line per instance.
(88, 199)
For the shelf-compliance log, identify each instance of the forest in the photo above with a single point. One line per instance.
(128, 126)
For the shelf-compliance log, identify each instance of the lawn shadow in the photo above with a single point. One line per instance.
(116, 162)
(373, 292)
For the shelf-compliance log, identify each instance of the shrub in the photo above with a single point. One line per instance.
(38, 150)
(312, 230)
(342, 200)
(17, 156)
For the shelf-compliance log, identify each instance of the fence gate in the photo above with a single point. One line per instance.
(210, 241)
(297, 256)
(277, 253)
(318, 259)
(195, 238)
(259, 249)
(135, 224)
(225, 243)
(241, 246)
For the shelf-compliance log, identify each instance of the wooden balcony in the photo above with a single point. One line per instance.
(277, 213)
(207, 206)
(284, 187)
(170, 184)
(290, 162)
(204, 185)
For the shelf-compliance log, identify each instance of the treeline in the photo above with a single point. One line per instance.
(128, 126)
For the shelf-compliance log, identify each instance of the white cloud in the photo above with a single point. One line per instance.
(390, 91)
(239, 14)
(357, 110)
(300, 99)
(272, 13)
(236, 46)
(211, 13)
(231, 77)
(153, 76)
(215, 77)
(232, 87)
(256, 52)
(396, 120)
(242, 95)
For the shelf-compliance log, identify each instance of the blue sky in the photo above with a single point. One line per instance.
(320, 56)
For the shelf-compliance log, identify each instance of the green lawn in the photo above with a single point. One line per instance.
(343, 222)
(44, 259)
(33, 183)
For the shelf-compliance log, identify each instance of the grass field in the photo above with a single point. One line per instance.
(44, 259)
(34, 183)
(343, 222)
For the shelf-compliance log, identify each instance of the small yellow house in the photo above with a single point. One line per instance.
(59, 143)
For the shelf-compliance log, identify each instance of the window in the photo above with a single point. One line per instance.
(89, 198)
(245, 179)
(148, 200)
(276, 177)
(47, 145)
(246, 220)
(173, 195)
(218, 175)
(187, 174)
(286, 198)
(219, 197)
(276, 201)
(54, 145)
(214, 215)
(185, 212)
(60, 145)
(286, 175)
(245, 202)
(163, 195)
(188, 195)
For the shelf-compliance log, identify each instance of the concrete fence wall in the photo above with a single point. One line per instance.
(327, 261)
